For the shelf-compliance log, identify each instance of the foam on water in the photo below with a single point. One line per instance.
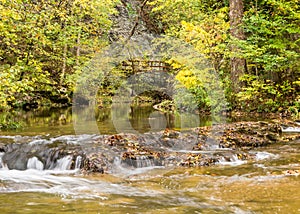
(39, 142)
(264, 155)
(66, 185)
(290, 129)
(7, 137)
(74, 139)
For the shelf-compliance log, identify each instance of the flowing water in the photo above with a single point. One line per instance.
(256, 186)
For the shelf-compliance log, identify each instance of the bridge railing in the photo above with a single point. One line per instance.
(135, 66)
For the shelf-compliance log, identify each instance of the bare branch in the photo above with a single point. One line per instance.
(137, 20)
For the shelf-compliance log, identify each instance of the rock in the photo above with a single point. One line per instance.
(193, 160)
(94, 163)
(167, 106)
(16, 155)
(2, 147)
(168, 133)
(291, 172)
(242, 134)
(166, 148)
(126, 20)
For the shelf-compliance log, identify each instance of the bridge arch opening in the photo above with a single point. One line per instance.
(152, 55)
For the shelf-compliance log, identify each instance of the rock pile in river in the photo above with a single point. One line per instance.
(203, 146)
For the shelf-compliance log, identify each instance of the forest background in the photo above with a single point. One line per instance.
(253, 46)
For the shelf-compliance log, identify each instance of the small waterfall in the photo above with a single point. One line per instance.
(117, 161)
(64, 163)
(78, 162)
(232, 161)
(1, 162)
(2, 165)
(35, 163)
(144, 161)
(117, 166)
(140, 162)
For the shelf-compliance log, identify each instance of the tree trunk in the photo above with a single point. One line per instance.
(237, 64)
(78, 49)
(63, 70)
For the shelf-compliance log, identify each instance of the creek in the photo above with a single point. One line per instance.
(238, 186)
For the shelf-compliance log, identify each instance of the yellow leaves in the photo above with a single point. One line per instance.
(7, 14)
(207, 35)
(187, 78)
(297, 82)
(175, 64)
(187, 26)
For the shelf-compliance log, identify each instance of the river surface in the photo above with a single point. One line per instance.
(256, 186)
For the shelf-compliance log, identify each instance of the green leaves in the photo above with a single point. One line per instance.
(266, 96)
(271, 47)
(273, 27)
(43, 43)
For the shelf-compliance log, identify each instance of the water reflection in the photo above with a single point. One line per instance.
(148, 119)
(121, 117)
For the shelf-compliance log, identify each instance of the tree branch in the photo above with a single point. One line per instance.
(137, 20)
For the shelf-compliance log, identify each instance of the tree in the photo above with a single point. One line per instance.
(237, 63)
(44, 44)
(272, 51)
